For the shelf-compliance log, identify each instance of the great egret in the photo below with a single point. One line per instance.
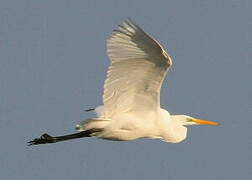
(131, 99)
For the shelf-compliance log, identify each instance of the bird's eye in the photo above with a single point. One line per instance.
(189, 119)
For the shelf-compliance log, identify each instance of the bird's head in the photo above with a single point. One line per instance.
(188, 120)
(178, 130)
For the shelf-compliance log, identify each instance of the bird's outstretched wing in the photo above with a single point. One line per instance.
(138, 67)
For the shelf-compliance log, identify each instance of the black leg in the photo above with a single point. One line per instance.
(45, 138)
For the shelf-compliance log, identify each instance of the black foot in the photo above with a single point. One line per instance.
(44, 139)
(91, 109)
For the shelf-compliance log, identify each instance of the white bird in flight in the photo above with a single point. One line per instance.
(131, 98)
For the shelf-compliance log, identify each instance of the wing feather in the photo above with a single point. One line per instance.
(138, 67)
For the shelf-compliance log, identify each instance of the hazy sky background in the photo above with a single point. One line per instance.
(53, 63)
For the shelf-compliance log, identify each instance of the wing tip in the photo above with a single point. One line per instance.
(128, 27)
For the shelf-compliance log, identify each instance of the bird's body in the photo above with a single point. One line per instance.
(157, 124)
(131, 99)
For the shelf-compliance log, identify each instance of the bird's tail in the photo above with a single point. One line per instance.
(94, 123)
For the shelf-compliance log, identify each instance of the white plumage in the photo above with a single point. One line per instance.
(136, 73)
(131, 98)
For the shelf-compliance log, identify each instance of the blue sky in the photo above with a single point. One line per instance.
(53, 64)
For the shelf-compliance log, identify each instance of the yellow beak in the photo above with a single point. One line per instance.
(205, 122)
